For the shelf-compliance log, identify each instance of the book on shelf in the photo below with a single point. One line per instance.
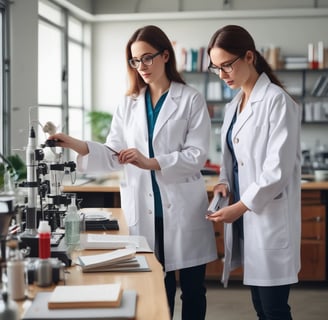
(113, 241)
(39, 310)
(195, 59)
(323, 89)
(86, 296)
(296, 62)
(317, 85)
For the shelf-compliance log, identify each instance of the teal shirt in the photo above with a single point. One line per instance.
(152, 115)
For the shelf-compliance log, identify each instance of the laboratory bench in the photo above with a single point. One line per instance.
(151, 296)
(106, 193)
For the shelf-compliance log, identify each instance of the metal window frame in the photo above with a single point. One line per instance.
(65, 107)
(5, 144)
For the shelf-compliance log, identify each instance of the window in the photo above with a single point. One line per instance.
(64, 61)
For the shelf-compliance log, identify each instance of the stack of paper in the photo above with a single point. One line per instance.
(117, 260)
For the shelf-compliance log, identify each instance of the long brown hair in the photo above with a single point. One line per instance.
(155, 37)
(236, 40)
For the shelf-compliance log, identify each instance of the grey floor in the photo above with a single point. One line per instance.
(308, 302)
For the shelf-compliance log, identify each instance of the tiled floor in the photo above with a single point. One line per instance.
(308, 302)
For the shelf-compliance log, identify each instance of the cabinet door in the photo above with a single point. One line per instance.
(313, 244)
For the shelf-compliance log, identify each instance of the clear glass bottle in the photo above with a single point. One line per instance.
(72, 225)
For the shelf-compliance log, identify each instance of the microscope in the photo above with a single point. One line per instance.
(45, 201)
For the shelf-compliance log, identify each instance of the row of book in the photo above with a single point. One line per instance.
(197, 60)
(193, 60)
(316, 111)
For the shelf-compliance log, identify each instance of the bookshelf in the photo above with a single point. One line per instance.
(215, 91)
(308, 86)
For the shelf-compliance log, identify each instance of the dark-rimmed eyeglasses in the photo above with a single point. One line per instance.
(147, 60)
(226, 68)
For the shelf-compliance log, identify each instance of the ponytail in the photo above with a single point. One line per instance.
(261, 65)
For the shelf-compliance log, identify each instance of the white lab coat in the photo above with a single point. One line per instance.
(266, 139)
(181, 143)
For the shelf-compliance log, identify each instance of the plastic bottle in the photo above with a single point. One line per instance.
(16, 274)
(72, 226)
(44, 232)
(43, 264)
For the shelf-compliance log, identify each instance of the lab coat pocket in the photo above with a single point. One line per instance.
(129, 204)
(272, 226)
(190, 204)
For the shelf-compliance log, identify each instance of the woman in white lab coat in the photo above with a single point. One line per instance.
(160, 137)
(260, 171)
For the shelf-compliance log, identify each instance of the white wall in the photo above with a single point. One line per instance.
(109, 40)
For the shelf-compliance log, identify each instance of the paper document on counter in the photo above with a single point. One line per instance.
(113, 241)
(137, 264)
(95, 261)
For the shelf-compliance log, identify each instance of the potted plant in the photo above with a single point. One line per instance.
(100, 124)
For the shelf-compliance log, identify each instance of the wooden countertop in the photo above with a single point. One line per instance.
(151, 299)
(111, 183)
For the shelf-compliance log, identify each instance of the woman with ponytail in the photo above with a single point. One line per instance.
(260, 172)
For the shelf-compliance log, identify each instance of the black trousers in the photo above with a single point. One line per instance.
(193, 292)
(192, 280)
(271, 303)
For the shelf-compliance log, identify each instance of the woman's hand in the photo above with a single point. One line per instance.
(65, 141)
(135, 157)
(221, 188)
(228, 214)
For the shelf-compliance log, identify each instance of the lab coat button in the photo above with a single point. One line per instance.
(241, 163)
(150, 194)
(169, 206)
(236, 140)
(150, 212)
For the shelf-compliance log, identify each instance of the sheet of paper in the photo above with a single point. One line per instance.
(113, 241)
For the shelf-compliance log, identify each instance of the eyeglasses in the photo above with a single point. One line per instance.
(147, 60)
(226, 68)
